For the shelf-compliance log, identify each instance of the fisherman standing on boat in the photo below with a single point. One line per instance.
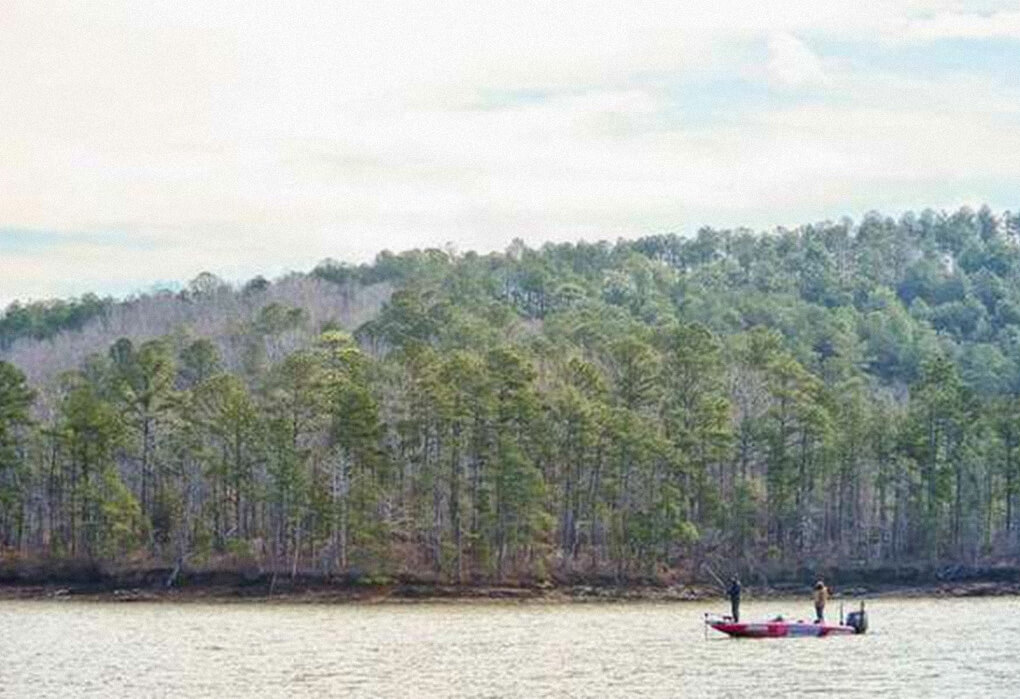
(734, 594)
(821, 595)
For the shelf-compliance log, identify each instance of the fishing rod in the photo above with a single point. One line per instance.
(717, 578)
(707, 567)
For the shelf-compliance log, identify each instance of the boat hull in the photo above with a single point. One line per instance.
(780, 629)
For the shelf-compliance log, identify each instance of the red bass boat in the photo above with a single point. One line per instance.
(856, 622)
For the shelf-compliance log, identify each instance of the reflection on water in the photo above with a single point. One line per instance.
(914, 648)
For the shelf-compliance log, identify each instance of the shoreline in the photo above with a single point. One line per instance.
(421, 593)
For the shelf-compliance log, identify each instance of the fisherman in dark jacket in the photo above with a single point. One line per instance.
(734, 595)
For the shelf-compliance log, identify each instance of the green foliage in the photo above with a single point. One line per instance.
(44, 319)
(841, 393)
(198, 361)
(15, 402)
(123, 526)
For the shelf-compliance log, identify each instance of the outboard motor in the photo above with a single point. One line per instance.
(858, 620)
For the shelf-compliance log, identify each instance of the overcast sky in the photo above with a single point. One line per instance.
(143, 142)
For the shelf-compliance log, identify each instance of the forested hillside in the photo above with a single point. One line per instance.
(840, 394)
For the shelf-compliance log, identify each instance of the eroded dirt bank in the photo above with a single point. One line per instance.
(91, 581)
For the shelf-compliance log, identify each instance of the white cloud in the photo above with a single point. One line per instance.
(955, 25)
(248, 139)
(793, 65)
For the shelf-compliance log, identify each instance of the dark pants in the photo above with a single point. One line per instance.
(819, 612)
(735, 608)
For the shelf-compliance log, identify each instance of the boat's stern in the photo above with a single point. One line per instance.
(858, 620)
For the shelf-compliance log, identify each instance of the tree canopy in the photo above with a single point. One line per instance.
(839, 394)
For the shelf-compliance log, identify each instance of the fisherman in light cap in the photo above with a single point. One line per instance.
(821, 596)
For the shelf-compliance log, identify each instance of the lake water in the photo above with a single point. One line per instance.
(915, 647)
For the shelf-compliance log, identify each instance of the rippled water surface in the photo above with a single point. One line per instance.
(914, 648)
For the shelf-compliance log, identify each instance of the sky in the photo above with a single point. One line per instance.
(149, 141)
